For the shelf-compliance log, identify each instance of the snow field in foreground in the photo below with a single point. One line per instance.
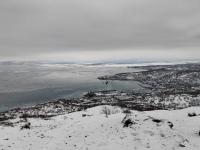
(92, 130)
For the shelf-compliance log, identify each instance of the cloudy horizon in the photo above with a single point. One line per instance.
(106, 30)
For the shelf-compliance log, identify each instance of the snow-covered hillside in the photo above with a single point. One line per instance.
(92, 130)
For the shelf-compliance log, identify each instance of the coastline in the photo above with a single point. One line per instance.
(166, 116)
(159, 93)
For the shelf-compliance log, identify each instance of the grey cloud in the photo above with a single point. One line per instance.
(42, 26)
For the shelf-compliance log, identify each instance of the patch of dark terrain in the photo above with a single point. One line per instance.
(89, 100)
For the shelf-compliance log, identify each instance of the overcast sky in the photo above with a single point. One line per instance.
(90, 30)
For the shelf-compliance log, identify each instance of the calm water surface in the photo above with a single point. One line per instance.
(23, 84)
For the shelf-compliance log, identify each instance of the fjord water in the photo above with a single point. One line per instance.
(23, 84)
